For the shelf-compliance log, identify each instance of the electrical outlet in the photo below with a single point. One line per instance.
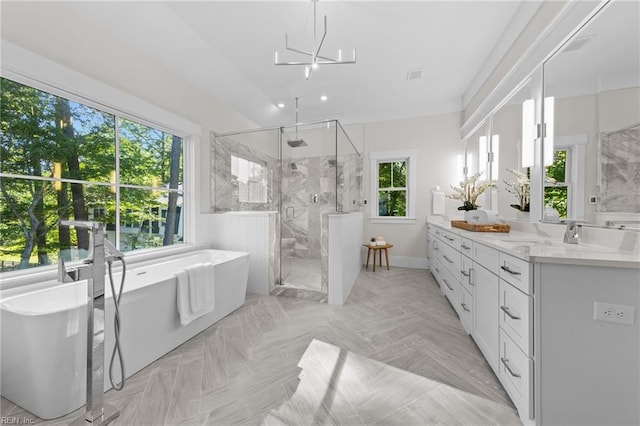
(593, 199)
(609, 312)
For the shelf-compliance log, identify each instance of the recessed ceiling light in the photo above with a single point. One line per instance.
(323, 97)
(280, 105)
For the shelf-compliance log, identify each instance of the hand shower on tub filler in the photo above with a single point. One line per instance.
(101, 252)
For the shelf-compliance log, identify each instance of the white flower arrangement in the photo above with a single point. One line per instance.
(521, 189)
(469, 191)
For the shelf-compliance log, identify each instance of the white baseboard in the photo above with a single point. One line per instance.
(409, 262)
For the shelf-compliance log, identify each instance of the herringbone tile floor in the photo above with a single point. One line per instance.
(394, 354)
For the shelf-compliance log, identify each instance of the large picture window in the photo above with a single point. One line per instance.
(60, 159)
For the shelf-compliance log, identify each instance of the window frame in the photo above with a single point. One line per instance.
(27, 68)
(411, 158)
(575, 175)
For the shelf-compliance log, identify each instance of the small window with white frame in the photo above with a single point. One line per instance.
(392, 186)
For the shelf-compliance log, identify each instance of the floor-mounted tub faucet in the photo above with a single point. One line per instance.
(572, 233)
(97, 412)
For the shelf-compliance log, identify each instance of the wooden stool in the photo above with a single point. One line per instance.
(378, 249)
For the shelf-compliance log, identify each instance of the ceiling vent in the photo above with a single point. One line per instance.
(414, 74)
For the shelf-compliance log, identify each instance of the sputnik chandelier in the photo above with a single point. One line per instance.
(316, 58)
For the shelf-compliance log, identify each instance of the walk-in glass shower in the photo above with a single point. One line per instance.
(304, 173)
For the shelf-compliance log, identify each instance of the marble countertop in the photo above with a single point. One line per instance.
(540, 249)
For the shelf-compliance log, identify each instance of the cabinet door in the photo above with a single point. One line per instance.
(487, 300)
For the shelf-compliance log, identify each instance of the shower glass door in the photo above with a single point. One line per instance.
(308, 172)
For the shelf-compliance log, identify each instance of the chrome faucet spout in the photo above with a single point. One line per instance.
(572, 233)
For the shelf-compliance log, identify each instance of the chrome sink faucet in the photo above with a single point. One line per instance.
(572, 233)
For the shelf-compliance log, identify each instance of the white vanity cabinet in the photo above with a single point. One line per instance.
(447, 266)
(516, 332)
(489, 291)
(589, 370)
(485, 332)
(558, 324)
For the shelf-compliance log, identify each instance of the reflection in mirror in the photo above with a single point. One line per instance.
(476, 149)
(593, 86)
(515, 153)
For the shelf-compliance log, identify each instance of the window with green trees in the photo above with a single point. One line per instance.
(392, 188)
(556, 186)
(60, 159)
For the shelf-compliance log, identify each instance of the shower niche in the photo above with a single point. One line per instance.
(303, 173)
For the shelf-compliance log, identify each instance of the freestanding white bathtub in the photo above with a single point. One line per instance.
(44, 331)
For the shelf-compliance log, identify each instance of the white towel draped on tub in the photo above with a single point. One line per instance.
(195, 291)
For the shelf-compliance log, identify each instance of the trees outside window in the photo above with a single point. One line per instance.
(392, 188)
(60, 159)
(556, 187)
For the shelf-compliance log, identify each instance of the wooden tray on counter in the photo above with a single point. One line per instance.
(475, 227)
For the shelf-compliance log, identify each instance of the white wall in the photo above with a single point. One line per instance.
(254, 233)
(437, 141)
(344, 255)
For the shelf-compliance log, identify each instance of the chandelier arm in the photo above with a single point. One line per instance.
(335, 62)
(319, 46)
(325, 58)
(293, 63)
(300, 51)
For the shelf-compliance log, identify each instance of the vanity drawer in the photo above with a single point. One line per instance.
(466, 269)
(451, 238)
(450, 287)
(450, 258)
(486, 256)
(516, 317)
(436, 271)
(465, 311)
(466, 246)
(516, 375)
(515, 271)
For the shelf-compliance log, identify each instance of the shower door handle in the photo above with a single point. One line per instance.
(289, 213)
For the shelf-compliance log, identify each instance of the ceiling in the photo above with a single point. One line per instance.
(226, 49)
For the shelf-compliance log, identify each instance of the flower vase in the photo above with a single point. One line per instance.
(523, 216)
(468, 215)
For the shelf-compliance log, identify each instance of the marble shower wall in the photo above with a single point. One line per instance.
(309, 191)
(620, 172)
(225, 186)
(349, 188)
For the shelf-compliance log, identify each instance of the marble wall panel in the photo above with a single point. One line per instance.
(225, 186)
(620, 171)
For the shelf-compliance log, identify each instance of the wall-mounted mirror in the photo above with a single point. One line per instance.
(476, 148)
(513, 150)
(592, 109)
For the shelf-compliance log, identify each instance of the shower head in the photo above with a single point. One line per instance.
(295, 143)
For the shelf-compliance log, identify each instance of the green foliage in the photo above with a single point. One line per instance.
(556, 193)
(392, 201)
(39, 130)
(392, 175)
